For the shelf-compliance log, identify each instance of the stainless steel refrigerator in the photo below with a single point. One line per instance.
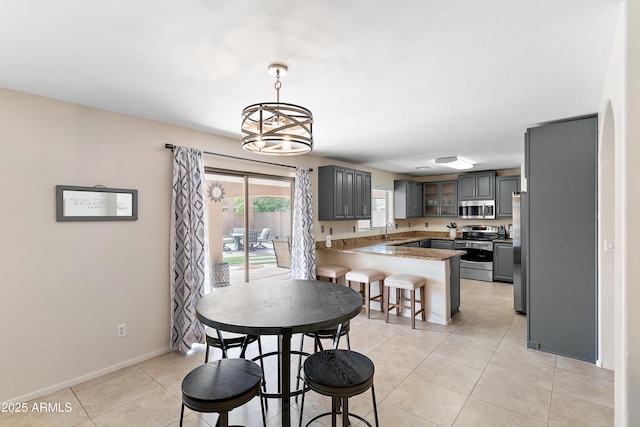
(520, 239)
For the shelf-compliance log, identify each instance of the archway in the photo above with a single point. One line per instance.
(606, 241)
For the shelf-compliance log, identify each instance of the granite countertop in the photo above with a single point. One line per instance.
(378, 246)
(388, 249)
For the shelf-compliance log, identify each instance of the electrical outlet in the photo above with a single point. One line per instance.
(609, 245)
(426, 224)
(121, 330)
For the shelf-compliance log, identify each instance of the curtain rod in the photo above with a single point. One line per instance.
(171, 147)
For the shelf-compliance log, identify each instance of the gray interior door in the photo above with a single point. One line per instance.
(561, 170)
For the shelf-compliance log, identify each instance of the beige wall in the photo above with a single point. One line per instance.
(629, 346)
(619, 272)
(620, 108)
(609, 124)
(66, 286)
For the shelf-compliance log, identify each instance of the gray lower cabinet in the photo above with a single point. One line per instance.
(561, 252)
(454, 280)
(505, 187)
(442, 244)
(410, 245)
(503, 262)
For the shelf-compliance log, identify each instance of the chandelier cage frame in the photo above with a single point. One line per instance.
(277, 128)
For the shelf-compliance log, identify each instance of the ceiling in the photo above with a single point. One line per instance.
(392, 84)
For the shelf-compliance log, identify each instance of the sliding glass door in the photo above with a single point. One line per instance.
(246, 214)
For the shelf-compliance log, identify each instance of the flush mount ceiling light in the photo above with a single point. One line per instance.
(454, 162)
(277, 128)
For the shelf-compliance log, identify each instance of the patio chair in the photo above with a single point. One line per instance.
(283, 253)
(253, 239)
(225, 241)
(263, 237)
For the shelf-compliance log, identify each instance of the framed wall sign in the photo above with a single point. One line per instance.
(95, 204)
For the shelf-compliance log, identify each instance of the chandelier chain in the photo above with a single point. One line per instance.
(278, 85)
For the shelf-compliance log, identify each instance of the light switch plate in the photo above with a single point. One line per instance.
(609, 245)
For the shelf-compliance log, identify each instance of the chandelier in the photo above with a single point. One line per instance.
(277, 128)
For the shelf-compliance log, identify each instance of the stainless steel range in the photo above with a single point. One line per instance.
(477, 240)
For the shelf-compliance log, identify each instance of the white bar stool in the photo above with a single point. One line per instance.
(405, 282)
(365, 277)
(331, 272)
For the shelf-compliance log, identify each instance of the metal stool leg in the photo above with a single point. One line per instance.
(223, 420)
(302, 402)
(345, 412)
(300, 367)
(375, 406)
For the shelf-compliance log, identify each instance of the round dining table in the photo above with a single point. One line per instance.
(282, 308)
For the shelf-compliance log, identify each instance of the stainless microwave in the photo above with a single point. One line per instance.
(477, 209)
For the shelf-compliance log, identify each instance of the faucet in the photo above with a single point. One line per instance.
(386, 230)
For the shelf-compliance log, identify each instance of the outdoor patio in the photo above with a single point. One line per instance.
(262, 262)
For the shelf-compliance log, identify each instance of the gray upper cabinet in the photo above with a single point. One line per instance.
(343, 193)
(441, 198)
(407, 199)
(362, 195)
(477, 186)
(505, 187)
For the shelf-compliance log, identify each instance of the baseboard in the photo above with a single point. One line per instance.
(603, 365)
(87, 377)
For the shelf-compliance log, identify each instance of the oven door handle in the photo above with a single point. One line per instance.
(474, 245)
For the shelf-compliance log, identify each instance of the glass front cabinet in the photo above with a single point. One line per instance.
(441, 198)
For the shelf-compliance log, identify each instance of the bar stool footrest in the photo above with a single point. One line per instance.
(293, 393)
(326, 414)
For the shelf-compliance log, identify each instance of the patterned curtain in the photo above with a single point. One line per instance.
(190, 272)
(303, 245)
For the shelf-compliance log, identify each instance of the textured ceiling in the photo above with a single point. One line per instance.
(392, 84)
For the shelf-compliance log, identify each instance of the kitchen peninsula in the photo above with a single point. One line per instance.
(440, 267)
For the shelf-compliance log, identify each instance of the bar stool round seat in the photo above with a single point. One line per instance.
(339, 374)
(324, 334)
(405, 282)
(332, 272)
(221, 386)
(365, 277)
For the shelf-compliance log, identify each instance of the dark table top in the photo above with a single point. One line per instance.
(269, 308)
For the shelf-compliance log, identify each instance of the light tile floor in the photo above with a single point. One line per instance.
(475, 372)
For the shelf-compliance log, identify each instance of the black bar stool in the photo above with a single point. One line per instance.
(334, 334)
(228, 340)
(221, 386)
(339, 374)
